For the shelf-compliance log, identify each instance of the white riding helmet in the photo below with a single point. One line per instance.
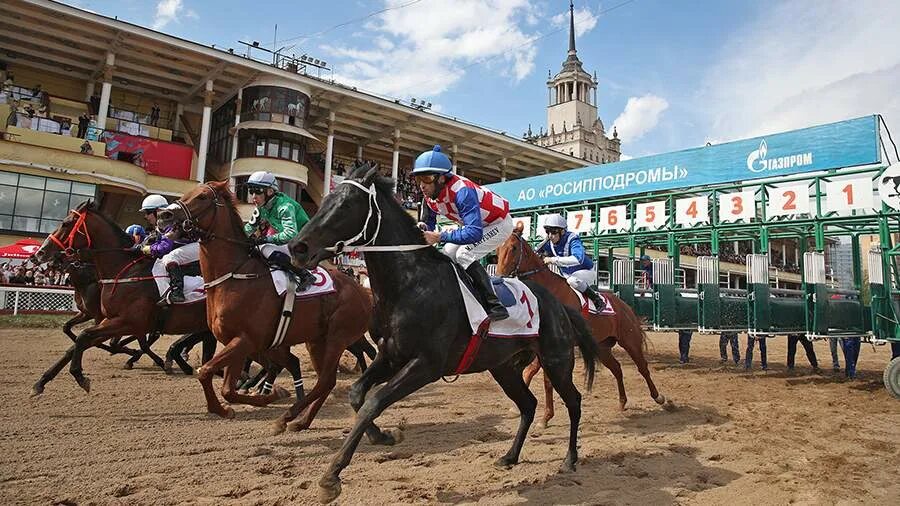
(555, 221)
(263, 179)
(153, 202)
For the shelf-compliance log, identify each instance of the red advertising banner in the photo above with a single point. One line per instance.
(157, 157)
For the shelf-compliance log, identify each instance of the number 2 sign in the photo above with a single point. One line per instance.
(788, 200)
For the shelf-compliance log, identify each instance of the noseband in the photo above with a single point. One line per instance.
(191, 222)
(521, 256)
(80, 227)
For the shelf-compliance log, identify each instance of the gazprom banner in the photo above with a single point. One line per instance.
(835, 145)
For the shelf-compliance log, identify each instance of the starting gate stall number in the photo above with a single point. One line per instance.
(692, 211)
(580, 221)
(614, 219)
(737, 206)
(526, 225)
(651, 215)
(788, 200)
(849, 194)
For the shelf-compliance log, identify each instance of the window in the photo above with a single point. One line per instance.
(274, 145)
(37, 204)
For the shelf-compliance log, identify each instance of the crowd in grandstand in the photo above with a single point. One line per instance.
(27, 274)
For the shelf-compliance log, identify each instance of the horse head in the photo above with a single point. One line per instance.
(198, 208)
(350, 215)
(77, 231)
(515, 256)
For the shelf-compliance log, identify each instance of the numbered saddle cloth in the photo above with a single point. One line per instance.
(521, 303)
(323, 284)
(588, 307)
(193, 285)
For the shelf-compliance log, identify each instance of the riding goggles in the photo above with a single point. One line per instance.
(426, 178)
(256, 190)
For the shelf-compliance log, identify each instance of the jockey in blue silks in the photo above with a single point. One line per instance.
(565, 250)
(482, 214)
(137, 233)
(171, 246)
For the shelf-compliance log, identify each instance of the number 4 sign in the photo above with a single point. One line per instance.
(579, 221)
(692, 211)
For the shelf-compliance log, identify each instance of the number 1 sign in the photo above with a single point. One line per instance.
(849, 194)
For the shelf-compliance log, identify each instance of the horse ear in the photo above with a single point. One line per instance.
(370, 176)
(519, 229)
(87, 204)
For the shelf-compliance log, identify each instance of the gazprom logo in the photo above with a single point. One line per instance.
(757, 160)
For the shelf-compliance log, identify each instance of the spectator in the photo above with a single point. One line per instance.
(19, 277)
(40, 279)
(154, 114)
(832, 346)
(29, 111)
(647, 270)
(793, 339)
(83, 122)
(684, 345)
(724, 339)
(86, 148)
(138, 159)
(29, 277)
(850, 346)
(95, 104)
(13, 118)
(36, 91)
(748, 360)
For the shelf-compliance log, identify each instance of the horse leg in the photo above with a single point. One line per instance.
(184, 342)
(75, 320)
(87, 338)
(607, 359)
(145, 343)
(209, 346)
(531, 370)
(129, 364)
(356, 350)
(515, 388)
(560, 372)
(414, 375)
(636, 353)
(205, 373)
(327, 378)
(51, 373)
(377, 373)
(528, 374)
(292, 364)
(243, 347)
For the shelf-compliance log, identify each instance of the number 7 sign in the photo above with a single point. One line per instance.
(579, 221)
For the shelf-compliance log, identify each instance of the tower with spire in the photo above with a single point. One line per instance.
(573, 126)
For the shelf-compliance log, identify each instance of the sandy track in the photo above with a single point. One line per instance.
(142, 437)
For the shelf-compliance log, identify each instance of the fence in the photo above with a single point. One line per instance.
(29, 299)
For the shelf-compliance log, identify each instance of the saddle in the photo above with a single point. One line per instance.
(501, 290)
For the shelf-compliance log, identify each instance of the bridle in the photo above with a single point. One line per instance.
(347, 245)
(190, 222)
(520, 255)
(80, 227)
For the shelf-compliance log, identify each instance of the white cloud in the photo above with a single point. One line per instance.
(585, 21)
(168, 11)
(624, 157)
(424, 49)
(805, 63)
(640, 116)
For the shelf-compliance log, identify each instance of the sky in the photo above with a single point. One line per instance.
(673, 74)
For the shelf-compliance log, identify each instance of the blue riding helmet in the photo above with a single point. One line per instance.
(136, 230)
(433, 162)
(645, 257)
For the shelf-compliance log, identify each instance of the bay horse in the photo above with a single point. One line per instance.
(516, 258)
(243, 309)
(128, 291)
(423, 326)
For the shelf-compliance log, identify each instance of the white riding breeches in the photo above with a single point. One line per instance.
(182, 256)
(492, 237)
(581, 280)
(268, 249)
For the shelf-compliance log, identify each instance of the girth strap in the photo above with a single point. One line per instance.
(226, 277)
(287, 312)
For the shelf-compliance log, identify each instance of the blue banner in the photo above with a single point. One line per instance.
(835, 145)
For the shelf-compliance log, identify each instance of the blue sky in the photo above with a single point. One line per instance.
(673, 74)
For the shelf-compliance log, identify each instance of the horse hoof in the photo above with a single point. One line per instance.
(504, 463)
(297, 426)
(622, 406)
(281, 393)
(228, 413)
(669, 406)
(128, 366)
(568, 466)
(389, 438)
(329, 490)
(36, 391)
(167, 366)
(660, 399)
(85, 383)
(278, 427)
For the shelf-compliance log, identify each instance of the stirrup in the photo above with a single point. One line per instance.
(497, 313)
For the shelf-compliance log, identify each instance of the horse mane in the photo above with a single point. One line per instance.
(90, 206)
(231, 200)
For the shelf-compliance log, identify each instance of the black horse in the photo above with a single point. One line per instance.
(422, 322)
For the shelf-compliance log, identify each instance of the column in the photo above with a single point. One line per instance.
(89, 91)
(453, 150)
(736, 248)
(549, 96)
(329, 148)
(204, 131)
(395, 163)
(359, 152)
(784, 251)
(503, 169)
(234, 138)
(107, 89)
(179, 112)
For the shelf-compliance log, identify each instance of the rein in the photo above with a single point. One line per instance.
(521, 256)
(374, 211)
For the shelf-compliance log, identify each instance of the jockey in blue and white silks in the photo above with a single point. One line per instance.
(483, 217)
(565, 250)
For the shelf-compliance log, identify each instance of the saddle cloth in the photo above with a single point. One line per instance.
(323, 284)
(193, 285)
(524, 319)
(588, 307)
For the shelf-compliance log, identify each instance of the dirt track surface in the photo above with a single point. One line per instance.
(141, 437)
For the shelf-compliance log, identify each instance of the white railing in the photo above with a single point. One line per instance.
(663, 271)
(623, 271)
(707, 270)
(814, 267)
(876, 269)
(758, 268)
(20, 299)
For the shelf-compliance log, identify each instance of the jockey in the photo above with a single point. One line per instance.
(172, 246)
(484, 217)
(137, 233)
(565, 250)
(276, 220)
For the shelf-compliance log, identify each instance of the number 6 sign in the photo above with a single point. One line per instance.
(613, 219)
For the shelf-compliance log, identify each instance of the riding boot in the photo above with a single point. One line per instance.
(595, 297)
(482, 281)
(176, 283)
(283, 261)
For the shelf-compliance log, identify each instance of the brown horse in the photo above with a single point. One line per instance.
(244, 309)
(515, 257)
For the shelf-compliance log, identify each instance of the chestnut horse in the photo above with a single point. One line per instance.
(515, 257)
(243, 308)
(128, 292)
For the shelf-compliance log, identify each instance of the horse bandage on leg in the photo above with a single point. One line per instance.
(267, 388)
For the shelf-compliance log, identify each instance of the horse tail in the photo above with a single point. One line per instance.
(585, 342)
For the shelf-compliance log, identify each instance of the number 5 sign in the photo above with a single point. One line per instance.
(689, 212)
(789, 200)
(613, 219)
(579, 221)
(651, 215)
